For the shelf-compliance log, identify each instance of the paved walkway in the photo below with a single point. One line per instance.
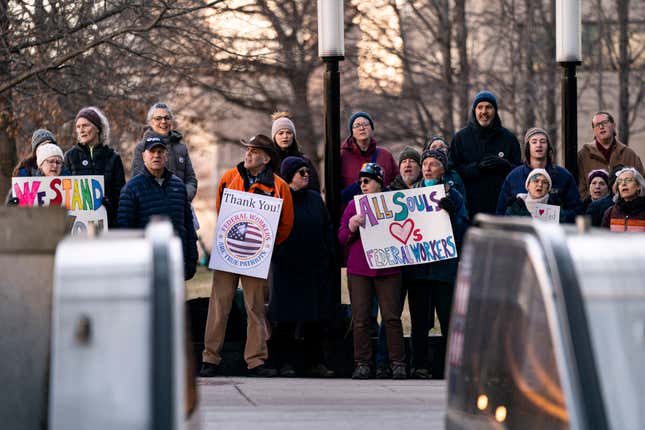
(279, 403)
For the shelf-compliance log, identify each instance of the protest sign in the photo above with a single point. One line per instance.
(544, 212)
(81, 195)
(245, 233)
(405, 227)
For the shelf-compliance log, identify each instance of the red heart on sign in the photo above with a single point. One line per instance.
(402, 232)
(541, 211)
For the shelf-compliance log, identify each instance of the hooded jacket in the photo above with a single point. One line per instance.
(178, 160)
(267, 184)
(590, 158)
(469, 146)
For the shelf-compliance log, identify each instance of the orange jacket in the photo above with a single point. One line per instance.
(268, 184)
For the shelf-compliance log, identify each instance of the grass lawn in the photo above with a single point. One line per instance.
(200, 286)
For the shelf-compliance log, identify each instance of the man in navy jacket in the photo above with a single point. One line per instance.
(538, 154)
(157, 192)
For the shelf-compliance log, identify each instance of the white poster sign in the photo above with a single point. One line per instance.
(246, 228)
(544, 212)
(81, 195)
(405, 227)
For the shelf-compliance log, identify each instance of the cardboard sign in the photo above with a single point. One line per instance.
(81, 195)
(404, 228)
(544, 212)
(246, 228)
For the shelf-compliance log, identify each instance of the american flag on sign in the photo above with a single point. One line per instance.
(244, 240)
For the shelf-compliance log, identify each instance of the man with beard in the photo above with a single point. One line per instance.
(409, 169)
(483, 153)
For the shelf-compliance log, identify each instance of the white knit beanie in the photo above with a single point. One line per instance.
(47, 150)
(281, 123)
(538, 172)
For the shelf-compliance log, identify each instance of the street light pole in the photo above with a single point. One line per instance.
(331, 48)
(568, 47)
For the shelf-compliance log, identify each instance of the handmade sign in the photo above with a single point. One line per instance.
(544, 212)
(245, 233)
(405, 227)
(81, 195)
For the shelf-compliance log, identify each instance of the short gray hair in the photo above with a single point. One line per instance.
(637, 176)
(159, 105)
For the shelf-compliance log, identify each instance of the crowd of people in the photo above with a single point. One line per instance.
(482, 169)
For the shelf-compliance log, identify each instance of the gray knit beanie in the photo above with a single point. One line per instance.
(409, 152)
(41, 135)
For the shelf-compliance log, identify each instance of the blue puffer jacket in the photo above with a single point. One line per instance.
(564, 190)
(143, 197)
(445, 270)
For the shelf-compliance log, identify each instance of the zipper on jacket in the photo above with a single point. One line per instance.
(626, 221)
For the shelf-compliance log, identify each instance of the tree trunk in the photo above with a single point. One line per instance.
(8, 157)
(461, 40)
(623, 70)
(445, 41)
(551, 93)
(530, 97)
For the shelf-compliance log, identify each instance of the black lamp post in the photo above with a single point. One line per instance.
(568, 55)
(331, 48)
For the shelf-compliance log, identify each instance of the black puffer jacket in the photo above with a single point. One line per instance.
(101, 160)
(469, 146)
(143, 197)
(178, 160)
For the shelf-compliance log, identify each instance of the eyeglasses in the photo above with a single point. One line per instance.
(361, 125)
(625, 181)
(161, 118)
(54, 162)
(602, 123)
(365, 181)
(303, 171)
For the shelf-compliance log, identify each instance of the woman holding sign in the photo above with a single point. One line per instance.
(49, 159)
(362, 281)
(432, 284)
(538, 185)
(92, 155)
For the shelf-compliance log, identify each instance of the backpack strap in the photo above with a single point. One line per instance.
(374, 156)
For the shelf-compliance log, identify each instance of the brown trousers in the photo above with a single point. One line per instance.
(388, 293)
(219, 307)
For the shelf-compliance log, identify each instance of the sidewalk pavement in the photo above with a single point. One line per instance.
(317, 404)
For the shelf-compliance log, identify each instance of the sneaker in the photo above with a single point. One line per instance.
(209, 370)
(262, 371)
(398, 371)
(320, 371)
(383, 371)
(362, 371)
(420, 373)
(287, 371)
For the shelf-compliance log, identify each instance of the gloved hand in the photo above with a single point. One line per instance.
(106, 203)
(13, 201)
(447, 205)
(496, 164)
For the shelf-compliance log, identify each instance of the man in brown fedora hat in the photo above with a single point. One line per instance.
(254, 175)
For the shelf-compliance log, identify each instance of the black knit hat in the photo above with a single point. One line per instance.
(290, 166)
(437, 154)
(372, 170)
(410, 152)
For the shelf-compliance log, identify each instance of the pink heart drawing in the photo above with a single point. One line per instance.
(402, 232)
(541, 211)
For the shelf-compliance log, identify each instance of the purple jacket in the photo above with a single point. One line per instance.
(351, 242)
(352, 158)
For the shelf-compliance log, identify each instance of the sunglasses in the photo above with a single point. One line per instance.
(365, 181)
(303, 171)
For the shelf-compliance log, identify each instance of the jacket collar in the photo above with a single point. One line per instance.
(350, 145)
(167, 174)
(265, 177)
